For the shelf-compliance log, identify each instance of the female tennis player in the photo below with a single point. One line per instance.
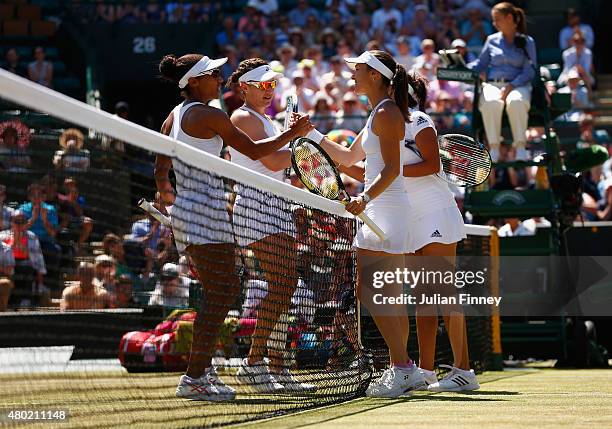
(386, 202)
(436, 226)
(264, 224)
(201, 224)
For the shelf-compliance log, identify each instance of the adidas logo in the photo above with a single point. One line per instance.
(436, 233)
(421, 120)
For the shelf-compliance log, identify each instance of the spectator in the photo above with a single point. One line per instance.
(75, 226)
(43, 221)
(282, 30)
(12, 63)
(381, 17)
(476, 29)
(153, 13)
(105, 273)
(577, 57)
(305, 96)
(29, 263)
(350, 117)
(403, 55)
(312, 30)
(514, 228)
(329, 42)
(5, 211)
(232, 61)
(321, 115)
(267, 47)
(461, 47)
(574, 25)
(7, 269)
(40, 71)
(15, 137)
(286, 54)
(422, 25)
(252, 23)
(229, 34)
(364, 30)
(296, 39)
(124, 293)
(172, 290)
(579, 93)
(105, 12)
(267, 7)
(452, 90)
(604, 212)
(149, 230)
(72, 157)
(232, 98)
(428, 57)
(301, 12)
(128, 13)
(338, 75)
(352, 186)
(113, 247)
(85, 294)
(509, 78)
(447, 32)
(311, 81)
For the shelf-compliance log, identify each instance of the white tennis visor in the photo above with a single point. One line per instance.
(372, 61)
(204, 65)
(260, 74)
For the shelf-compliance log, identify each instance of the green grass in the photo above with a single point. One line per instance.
(546, 398)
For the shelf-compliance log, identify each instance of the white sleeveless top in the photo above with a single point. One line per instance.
(374, 161)
(189, 177)
(271, 130)
(427, 193)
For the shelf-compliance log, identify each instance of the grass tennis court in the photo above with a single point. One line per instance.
(532, 398)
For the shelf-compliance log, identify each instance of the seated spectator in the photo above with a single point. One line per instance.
(40, 71)
(403, 55)
(153, 13)
(311, 81)
(447, 32)
(5, 211)
(104, 273)
(29, 263)
(43, 221)
(267, 7)
(514, 228)
(74, 225)
(445, 105)
(14, 139)
(172, 290)
(580, 58)
(604, 209)
(422, 24)
(578, 91)
(321, 114)
(296, 39)
(329, 41)
(350, 117)
(7, 269)
(573, 25)
(301, 12)
(305, 96)
(229, 34)
(428, 57)
(113, 247)
(286, 55)
(124, 297)
(13, 65)
(338, 75)
(149, 230)
(475, 29)
(71, 157)
(452, 90)
(251, 23)
(85, 294)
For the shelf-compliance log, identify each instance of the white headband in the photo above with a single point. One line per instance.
(259, 74)
(205, 64)
(411, 90)
(372, 61)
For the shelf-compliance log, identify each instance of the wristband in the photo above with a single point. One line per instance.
(366, 197)
(315, 136)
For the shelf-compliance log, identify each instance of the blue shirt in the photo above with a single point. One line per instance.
(299, 17)
(502, 60)
(475, 40)
(38, 227)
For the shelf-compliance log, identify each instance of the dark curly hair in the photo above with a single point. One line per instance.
(173, 68)
(419, 85)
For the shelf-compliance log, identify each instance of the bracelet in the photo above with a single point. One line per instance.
(315, 136)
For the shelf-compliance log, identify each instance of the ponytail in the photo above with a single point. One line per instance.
(419, 91)
(518, 15)
(399, 82)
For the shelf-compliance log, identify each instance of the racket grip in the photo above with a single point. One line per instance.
(375, 228)
(148, 207)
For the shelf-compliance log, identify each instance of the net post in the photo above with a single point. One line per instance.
(496, 361)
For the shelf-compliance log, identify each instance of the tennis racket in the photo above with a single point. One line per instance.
(149, 208)
(318, 173)
(465, 161)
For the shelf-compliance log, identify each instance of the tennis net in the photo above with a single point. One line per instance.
(270, 274)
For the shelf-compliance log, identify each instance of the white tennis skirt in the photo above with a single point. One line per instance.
(441, 226)
(201, 217)
(390, 212)
(258, 215)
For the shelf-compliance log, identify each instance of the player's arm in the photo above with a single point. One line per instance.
(252, 126)
(344, 155)
(220, 123)
(356, 171)
(427, 144)
(162, 169)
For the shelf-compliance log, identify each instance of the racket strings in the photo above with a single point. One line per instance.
(465, 162)
(316, 171)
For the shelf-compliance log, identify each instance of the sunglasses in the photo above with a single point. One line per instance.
(264, 86)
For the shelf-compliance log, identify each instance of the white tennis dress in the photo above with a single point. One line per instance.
(390, 209)
(258, 214)
(434, 216)
(199, 214)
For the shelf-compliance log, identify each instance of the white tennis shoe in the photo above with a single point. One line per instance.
(396, 382)
(208, 387)
(457, 380)
(429, 376)
(258, 377)
(293, 385)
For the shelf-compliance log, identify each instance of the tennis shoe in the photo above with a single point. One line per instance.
(429, 376)
(457, 380)
(258, 377)
(206, 388)
(291, 384)
(396, 382)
